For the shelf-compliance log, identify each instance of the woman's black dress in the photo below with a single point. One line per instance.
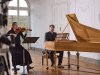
(19, 53)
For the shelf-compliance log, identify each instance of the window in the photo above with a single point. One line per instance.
(13, 3)
(23, 11)
(12, 12)
(22, 3)
(18, 12)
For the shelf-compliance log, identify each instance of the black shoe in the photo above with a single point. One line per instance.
(16, 69)
(29, 67)
(60, 66)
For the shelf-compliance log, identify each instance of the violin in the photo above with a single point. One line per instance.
(19, 29)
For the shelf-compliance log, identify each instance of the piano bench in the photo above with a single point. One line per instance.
(44, 56)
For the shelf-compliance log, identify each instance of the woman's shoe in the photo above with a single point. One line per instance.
(15, 71)
(29, 67)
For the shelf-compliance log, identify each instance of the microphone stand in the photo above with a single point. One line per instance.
(23, 63)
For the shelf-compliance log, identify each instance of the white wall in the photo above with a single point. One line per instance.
(46, 12)
(41, 18)
(88, 13)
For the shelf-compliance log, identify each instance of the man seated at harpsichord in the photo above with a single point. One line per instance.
(50, 36)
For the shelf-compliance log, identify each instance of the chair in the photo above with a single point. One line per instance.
(3, 65)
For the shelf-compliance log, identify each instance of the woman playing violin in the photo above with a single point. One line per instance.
(15, 34)
(17, 51)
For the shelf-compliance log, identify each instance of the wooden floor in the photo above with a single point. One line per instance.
(85, 69)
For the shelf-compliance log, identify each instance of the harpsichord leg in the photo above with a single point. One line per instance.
(68, 59)
(55, 60)
(77, 60)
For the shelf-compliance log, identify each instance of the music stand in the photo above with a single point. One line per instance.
(28, 40)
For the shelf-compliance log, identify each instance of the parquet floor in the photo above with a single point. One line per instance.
(85, 68)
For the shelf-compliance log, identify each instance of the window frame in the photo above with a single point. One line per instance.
(20, 8)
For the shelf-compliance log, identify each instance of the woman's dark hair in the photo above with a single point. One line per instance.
(14, 23)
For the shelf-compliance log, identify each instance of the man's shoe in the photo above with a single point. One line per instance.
(60, 66)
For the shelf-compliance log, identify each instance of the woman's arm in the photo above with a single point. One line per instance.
(23, 36)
